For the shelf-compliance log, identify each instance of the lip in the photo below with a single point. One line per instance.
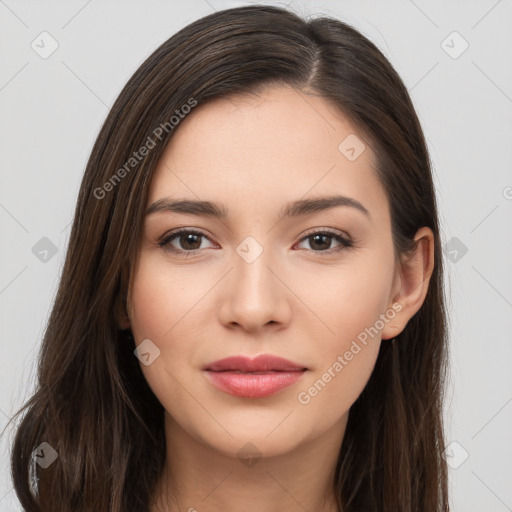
(253, 378)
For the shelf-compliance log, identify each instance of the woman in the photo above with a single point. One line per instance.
(251, 311)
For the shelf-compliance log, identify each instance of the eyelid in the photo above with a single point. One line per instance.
(177, 231)
(331, 231)
(167, 238)
(344, 239)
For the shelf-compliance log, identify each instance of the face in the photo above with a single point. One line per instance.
(312, 285)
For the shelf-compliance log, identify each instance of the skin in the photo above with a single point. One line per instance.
(296, 300)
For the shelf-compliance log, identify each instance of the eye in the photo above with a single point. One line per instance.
(189, 240)
(320, 241)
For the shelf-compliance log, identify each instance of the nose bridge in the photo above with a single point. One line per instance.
(254, 296)
(252, 276)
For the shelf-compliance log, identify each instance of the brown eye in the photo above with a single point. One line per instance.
(320, 242)
(189, 241)
(185, 241)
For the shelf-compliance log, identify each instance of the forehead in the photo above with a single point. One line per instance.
(274, 147)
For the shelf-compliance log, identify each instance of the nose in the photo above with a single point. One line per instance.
(254, 296)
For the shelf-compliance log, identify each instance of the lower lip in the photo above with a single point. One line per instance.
(253, 385)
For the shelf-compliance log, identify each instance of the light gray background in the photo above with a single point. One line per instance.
(52, 109)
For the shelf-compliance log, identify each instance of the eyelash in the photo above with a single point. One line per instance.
(165, 242)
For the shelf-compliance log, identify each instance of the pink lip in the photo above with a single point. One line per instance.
(253, 378)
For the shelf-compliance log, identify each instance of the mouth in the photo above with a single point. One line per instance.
(253, 378)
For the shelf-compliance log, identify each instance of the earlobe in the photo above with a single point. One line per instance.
(414, 277)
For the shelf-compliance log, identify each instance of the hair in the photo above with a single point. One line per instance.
(92, 403)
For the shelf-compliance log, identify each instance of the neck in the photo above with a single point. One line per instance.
(199, 478)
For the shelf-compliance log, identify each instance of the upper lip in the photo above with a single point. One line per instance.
(262, 363)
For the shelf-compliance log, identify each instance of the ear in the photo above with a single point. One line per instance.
(411, 282)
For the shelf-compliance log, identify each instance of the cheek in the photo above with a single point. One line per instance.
(329, 395)
(343, 301)
(161, 300)
(343, 362)
(354, 307)
(165, 308)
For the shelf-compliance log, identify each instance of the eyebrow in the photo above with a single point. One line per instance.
(293, 209)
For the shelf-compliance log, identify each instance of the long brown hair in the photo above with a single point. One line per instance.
(93, 405)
